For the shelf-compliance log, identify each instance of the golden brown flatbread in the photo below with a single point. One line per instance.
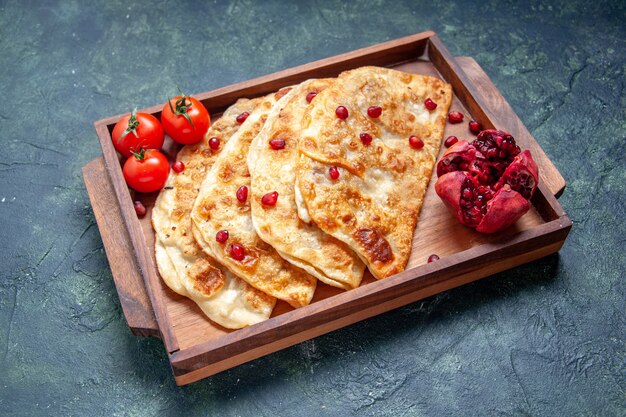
(374, 204)
(223, 297)
(217, 208)
(274, 169)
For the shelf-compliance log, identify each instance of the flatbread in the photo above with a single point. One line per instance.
(223, 297)
(304, 245)
(374, 205)
(217, 208)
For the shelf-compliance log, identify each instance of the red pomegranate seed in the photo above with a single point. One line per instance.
(269, 199)
(433, 258)
(430, 105)
(140, 209)
(221, 236)
(178, 167)
(374, 111)
(366, 138)
(475, 127)
(214, 143)
(450, 140)
(311, 96)
(277, 144)
(333, 172)
(341, 112)
(455, 117)
(237, 252)
(242, 117)
(242, 193)
(416, 142)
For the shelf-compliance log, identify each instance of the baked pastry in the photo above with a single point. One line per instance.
(272, 164)
(223, 207)
(367, 150)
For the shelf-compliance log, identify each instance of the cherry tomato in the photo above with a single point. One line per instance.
(146, 171)
(135, 131)
(185, 119)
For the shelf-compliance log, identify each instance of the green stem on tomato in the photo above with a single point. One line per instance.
(181, 108)
(133, 123)
(139, 155)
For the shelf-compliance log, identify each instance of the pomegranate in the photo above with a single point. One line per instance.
(242, 117)
(237, 252)
(178, 167)
(311, 96)
(277, 144)
(366, 138)
(416, 142)
(242, 194)
(374, 111)
(430, 105)
(450, 140)
(487, 183)
(455, 117)
(269, 199)
(333, 172)
(433, 258)
(140, 209)
(341, 112)
(475, 127)
(214, 143)
(221, 236)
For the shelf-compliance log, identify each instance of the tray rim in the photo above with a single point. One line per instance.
(182, 361)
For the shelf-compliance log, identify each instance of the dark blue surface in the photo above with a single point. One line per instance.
(545, 339)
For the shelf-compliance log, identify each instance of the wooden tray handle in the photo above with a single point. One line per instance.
(128, 281)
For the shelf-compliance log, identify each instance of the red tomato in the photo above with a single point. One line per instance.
(146, 171)
(185, 119)
(136, 131)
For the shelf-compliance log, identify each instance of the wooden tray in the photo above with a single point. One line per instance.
(198, 348)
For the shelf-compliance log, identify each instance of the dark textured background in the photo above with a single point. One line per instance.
(548, 338)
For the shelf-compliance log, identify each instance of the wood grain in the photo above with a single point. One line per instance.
(144, 251)
(198, 348)
(128, 282)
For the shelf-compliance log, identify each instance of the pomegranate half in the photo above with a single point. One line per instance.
(487, 184)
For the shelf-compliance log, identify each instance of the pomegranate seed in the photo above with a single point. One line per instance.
(475, 127)
(450, 140)
(366, 138)
(237, 252)
(374, 112)
(455, 117)
(311, 96)
(341, 112)
(214, 143)
(269, 199)
(430, 105)
(333, 172)
(242, 194)
(416, 142)
(433, 258)
(178, 167)
(277, 144)
(221, 236)
(242, 117)
(140, 209)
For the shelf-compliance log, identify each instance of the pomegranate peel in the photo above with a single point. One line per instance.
(503, 210)
(487, 184)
